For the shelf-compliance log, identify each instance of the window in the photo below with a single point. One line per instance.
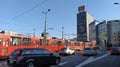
(47, 42)
(69, 44)
(1, 41)
(114, 36)
(37, 51)
(27, 52)
(32, 51)
(41, 41)
(77, 44)
(16, 52)
(46, 52)
(26, 41)
(59, 43)
(55, 42)
(15, 41)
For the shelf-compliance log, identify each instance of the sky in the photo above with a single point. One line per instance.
(23, 16)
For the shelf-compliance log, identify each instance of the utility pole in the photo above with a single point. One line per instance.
(62, 33)
(44, 39)
(34, 32)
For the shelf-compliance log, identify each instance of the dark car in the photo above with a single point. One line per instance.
(115, 50)
(32, 57)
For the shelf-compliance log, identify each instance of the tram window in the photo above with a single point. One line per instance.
(59, 43)
(26, 41)
(41, 41)
(76, 44)
(15, 41)
(47, 42)
(0, 41)
(55, 42)
(69, 44)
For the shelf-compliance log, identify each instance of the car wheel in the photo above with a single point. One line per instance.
(57, 61)
(30, 64)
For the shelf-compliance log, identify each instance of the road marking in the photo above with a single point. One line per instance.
(60, 64)
(85, 62)
(63, 63)
(91, 59)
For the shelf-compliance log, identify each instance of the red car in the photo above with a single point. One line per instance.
(115, 50)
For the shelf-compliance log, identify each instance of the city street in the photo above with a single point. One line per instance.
(103, 59)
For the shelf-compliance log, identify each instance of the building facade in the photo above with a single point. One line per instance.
(83, 21)
(102, 34)
(92, 31)
(114, 32)
(108, 33)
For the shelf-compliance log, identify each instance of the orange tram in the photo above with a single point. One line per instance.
(8, 43)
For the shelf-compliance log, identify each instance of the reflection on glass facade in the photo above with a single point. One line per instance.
(81, 26)
(102, 34)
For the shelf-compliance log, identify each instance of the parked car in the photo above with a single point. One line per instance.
(32, 57)
(89, 51)
(115, 50)
(66, 51)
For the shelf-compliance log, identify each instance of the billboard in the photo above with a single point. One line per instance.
(81, 8)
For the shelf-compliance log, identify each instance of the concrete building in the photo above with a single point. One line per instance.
(83, 21)
(108, 33)
(102, 34)
(92, 31)
(113, 27)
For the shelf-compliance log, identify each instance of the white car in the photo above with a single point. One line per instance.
(89, 51)
(66, 51)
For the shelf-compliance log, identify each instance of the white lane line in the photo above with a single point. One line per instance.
(63, 63)
(60, 64)
(85, 62)
(89, 60)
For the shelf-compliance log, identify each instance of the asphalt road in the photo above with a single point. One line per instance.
(103, 59)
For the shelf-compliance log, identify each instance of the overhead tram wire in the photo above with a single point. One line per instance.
(30, 9)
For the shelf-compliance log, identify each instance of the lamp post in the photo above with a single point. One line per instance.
(44, 39)
(116, 3)
(62, 33)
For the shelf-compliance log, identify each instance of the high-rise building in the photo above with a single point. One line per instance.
(113, 27)
(92, 31)
(108, 33)
(83, 21)
(102, 34)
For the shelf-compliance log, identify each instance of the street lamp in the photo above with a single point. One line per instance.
(116, 3)
(62, 33)
(44, 39)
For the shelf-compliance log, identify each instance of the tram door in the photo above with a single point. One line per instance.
(3, 47)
